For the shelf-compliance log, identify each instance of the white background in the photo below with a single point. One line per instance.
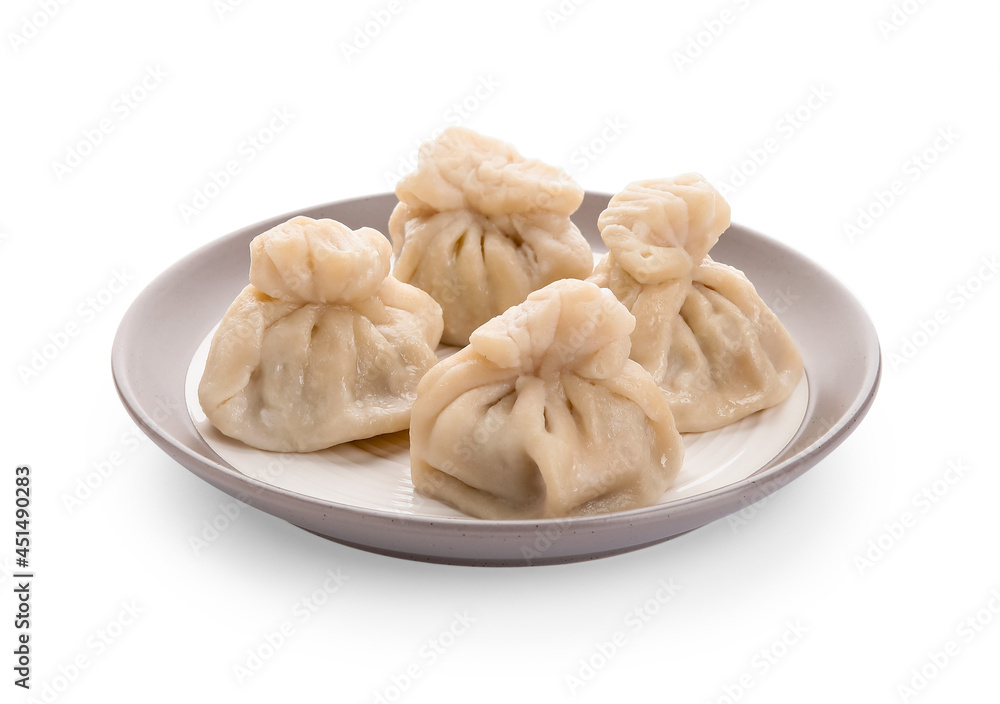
(885, 85)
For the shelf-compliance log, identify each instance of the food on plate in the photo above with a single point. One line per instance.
(544, 415)
(323, 346)
(702, 331)
(479, 227)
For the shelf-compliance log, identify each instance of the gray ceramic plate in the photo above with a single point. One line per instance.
(170, 318)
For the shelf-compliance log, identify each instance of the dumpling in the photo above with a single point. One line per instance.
(479, 227)
(718, 352)
(543, 415)
(323, 346)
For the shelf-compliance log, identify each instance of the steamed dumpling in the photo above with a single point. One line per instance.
(544, 415)
(717, 351)
(323, 346)
(479, 227)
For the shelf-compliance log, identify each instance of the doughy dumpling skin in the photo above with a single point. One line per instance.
(323, 346)
(544, 415)
(717, 351)
(479, 227)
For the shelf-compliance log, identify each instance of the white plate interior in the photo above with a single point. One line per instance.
(375, 473)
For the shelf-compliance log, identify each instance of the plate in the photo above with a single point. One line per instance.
(163, 329)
